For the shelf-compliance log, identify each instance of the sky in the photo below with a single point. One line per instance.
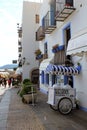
(10, 15)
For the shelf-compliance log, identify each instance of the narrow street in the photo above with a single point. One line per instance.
(15, 115)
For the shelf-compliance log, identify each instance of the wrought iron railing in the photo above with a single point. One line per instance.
(49, 19)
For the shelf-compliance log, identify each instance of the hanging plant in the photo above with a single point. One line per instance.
(55, 46)
(38, 52)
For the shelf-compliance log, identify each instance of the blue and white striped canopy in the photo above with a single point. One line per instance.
(59, 69)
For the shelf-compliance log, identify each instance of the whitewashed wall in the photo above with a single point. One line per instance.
(78, 22)
(29, 43)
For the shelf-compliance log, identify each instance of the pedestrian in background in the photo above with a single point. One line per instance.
(5, 82)
(9, 82)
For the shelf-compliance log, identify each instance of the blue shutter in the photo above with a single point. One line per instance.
(65, 79)
(43, 22)
(42, 77)
(52, 14)
(47, 78)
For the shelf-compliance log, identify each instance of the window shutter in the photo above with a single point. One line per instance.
(65, 79)
(47, 78)
(42, 77)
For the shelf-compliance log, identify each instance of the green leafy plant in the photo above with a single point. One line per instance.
(27, 88)
(38, 52)
(78, 64)
(26, 81)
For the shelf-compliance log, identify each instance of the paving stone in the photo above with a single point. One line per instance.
(15, 115)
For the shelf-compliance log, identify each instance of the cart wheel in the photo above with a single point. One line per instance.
(55, 108)
(65, 106)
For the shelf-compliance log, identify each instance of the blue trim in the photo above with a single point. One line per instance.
(47, 78)
(64, 28)
(52, 15)
(59, 48)
(83, 108)
(78, 68)
(42, 77)
(43, 22)
(39, 56)
(43, 91)
(65, 79)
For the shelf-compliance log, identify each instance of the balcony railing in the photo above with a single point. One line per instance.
(49, 22)
(20, 31)
(64, 8)
(40, 35)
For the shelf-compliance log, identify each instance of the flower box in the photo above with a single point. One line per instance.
(39, 57)
(57, 48)
(61, 47)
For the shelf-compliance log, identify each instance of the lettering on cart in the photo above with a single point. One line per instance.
(61, 92)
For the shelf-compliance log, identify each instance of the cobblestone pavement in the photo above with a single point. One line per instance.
(19, 116)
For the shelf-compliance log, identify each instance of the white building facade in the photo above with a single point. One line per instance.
(30, 23)
(64, 40)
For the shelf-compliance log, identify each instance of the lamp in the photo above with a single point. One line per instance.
(24, 60)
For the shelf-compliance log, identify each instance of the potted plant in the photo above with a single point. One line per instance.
(78, 66)
(55, 48)
(28, 92)
(38, 52)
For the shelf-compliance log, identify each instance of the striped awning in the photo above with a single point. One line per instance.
(59, 69)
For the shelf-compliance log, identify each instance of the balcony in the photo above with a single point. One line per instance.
(49, 22)
(40, 35)
(64, 8)
(20, 32)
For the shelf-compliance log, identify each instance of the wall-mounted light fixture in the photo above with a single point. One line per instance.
(24, 61)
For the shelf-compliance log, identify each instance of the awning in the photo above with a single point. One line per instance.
(77, 45)
(59, 69)
(45, 63)
(19, 71)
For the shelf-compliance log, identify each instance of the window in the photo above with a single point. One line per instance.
(37, 18)
(69, 2)
(47, 79)
(67, 31)
(45, 48)
(67, 34)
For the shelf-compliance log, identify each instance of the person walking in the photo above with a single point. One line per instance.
(0, 82)
(9, 82)
(5, 82)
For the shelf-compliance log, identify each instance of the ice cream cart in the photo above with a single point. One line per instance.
(62, 99)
